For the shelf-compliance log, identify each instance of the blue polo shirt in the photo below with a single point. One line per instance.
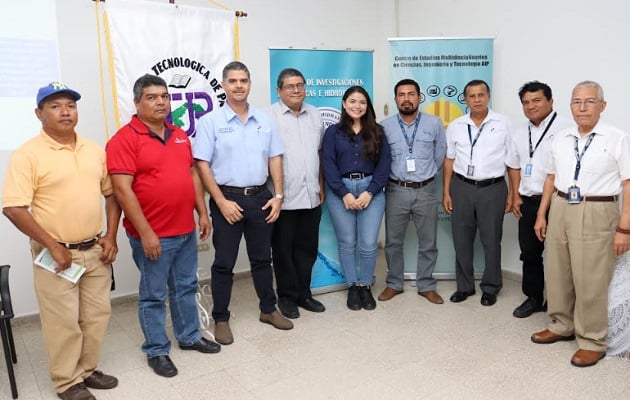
(238, 152)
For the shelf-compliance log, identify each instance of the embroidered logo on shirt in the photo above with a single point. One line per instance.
(180, 140)
(227, 129)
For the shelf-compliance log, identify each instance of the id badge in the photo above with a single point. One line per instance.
(471, 170)
(411, 164)
(528, 170)
(574, 196)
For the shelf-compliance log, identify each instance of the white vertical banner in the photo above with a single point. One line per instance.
(184, 45)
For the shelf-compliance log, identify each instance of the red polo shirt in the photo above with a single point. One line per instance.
(162, 179)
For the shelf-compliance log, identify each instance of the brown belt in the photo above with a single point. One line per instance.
(245, 191)
(82, 246)
(412, 185)
(591, 198)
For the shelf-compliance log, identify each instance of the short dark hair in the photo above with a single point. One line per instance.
(288, 73)
(146, 80)
(534, 86)
(476, 82)
(235, 66)
(406, 82)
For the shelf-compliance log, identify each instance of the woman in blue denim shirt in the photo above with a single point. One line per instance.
(356, 162)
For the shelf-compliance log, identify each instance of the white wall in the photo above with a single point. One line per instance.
(560, 42)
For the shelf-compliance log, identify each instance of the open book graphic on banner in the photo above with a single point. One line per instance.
(179, 81)
(45, 260)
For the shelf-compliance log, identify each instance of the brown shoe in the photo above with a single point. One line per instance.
(548, 337)
(98, 380)
(388, 294)
(223, 333)
(277, 320)
(76, 392)
(586, 358)
(432, 296)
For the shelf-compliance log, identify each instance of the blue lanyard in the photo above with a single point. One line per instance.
(474, 142)
(415, 130)
(529, 128)
(578, 155)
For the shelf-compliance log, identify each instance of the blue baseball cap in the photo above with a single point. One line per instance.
(54, 88)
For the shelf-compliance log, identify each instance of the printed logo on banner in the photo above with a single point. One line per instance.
(193, 88)
(330, 116)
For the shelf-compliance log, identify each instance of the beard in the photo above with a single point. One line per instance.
(408, 110)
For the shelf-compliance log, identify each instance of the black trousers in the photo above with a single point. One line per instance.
(294, 244)
(226, 239)
(531, 250)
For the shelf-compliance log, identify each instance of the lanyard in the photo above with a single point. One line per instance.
(529, 128)
(473, 142)
(413, 136)
(579, 156)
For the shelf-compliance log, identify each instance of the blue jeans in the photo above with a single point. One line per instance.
(352, 227)
(176, 269)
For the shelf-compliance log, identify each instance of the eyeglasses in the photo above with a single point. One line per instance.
(586, 102)
(291, 87)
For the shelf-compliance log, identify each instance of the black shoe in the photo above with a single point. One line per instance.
(488, 299)
(312, 305)
(354, 301)
(461, 296)
(202, 345)
(367, 301)
(163, 366)
(288, 308)
(529, 306)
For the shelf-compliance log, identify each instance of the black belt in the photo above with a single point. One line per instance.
(88, 244)
(591, 198)
(357, 175)
(246, 191)
(482, 183)
(412, 185)
(536, 197)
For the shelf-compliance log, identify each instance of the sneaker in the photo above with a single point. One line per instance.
(367, 301)
(354, 301)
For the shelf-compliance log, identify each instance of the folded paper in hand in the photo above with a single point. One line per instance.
(45, 260)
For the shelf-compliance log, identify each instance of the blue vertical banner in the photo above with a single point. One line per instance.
(328, 74)
(442, 67)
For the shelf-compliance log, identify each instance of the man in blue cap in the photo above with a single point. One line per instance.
(52, 193)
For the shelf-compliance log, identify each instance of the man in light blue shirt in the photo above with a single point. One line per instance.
(418, 145)
(236, 148)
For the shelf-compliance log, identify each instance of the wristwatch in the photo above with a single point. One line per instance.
(280, 196)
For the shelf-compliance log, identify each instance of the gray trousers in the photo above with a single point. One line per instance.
(419, 205)
(483, 208)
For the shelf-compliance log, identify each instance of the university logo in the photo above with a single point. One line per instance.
(193, 88)
(329, 115)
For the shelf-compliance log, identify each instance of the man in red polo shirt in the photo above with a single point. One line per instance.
(155, 182)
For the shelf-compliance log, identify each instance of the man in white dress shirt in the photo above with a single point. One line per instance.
(588, 173)
(526, 165)
(476, 150)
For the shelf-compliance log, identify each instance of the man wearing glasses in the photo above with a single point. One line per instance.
(588, 173)
(526, 160)
(296, 232)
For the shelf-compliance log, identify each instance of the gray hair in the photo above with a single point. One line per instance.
(146, 80)
(235, 66)
(592, 84)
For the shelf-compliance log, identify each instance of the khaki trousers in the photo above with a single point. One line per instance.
(74, 317)
(580, 264)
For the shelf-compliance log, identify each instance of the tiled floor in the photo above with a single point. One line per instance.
(405, 349)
